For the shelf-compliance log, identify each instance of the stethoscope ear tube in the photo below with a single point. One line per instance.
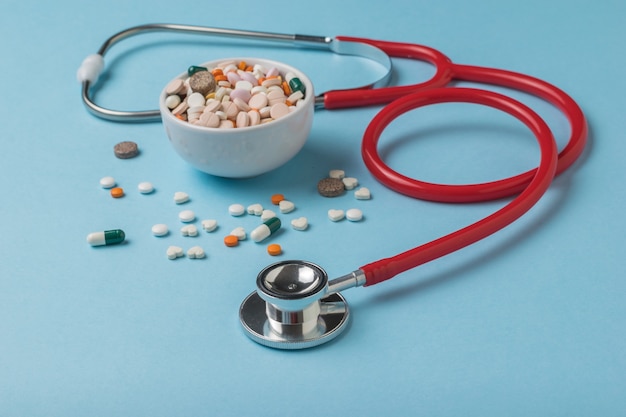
(384, 269)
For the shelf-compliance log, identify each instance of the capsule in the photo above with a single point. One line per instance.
(268, 228)
(296, 85)
(106, 238)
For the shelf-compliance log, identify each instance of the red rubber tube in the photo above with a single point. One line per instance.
(542, 176)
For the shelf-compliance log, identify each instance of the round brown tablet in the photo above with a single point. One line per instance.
(126, 150)
(330, 187)
(202, 82)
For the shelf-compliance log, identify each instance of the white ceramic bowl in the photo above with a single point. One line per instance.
(242, 152)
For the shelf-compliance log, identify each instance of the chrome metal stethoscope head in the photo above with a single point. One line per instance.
(295, 306)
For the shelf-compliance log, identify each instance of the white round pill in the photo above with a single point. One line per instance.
(236, 210)
(145, 187)
(107, 182)
(160, 229)
(181, 197)
(354, 215)
(186, 216)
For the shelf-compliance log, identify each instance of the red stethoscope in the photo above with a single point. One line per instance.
(295, 305)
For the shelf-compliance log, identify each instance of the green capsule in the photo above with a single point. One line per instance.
(296, 85)
(106, 238)
(193, 69)
(268, 228)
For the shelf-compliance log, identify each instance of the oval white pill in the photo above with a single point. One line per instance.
(279, 110)
(181, 197)
(236, 210)
(160, 229)
(354, 215)
(107, 182)
(145, 187)
(186, 216)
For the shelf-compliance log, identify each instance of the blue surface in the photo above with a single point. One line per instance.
(529, 322)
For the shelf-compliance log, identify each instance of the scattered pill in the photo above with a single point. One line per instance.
(189, 230)
(350, 183)
(145, 187)
(209, 225)
(277, 198)
(274, 249)
(117, 192)
(231, 241)
(195, 252)
(174, 252)
(236, 210)
(362, 193)
(267, 214)
(268, 228)
(106, 238)
(354, 215)
(255, 209)
(300, 223)
(186, 216)
(330, 187)
(181, 197)
(240, 233)
(160, 230)
(286, 206)
(107, 182)
(336, 215)
(337, 173)
(126, 150)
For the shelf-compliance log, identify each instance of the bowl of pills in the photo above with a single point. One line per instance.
(238, 117)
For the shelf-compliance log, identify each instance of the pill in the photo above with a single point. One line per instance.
(337, 173)
(175, 87)
(267, 214)
(363, 193)
(231, 241)
(277, 198)
(202, 82)
(160, 230)
(255, 209)
(239, 232)
(195, 252)
(107, 182)
(117, 192)
(354, 215)
(350, 183)
(186, 216)
(336, 215)
(286, 206)
(126, 150)
(174, 252)
(279, 110)
(189, 230)
(258, 101)
(106, 238)
(209, 225)
(300, 223)
(296, 85)
(145, 187)
(181, 197)
(274, 249)
(172, 101)
(330, 187)
(195, 100)
(236, 210)
(268, 228)
(194, 68)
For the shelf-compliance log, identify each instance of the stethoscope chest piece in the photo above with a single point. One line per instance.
(292, 309)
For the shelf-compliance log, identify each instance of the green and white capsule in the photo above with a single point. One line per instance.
(106, 238)
(268, 228)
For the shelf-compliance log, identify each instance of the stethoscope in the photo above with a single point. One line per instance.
(296, 305)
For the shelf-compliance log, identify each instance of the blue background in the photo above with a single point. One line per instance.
(527, 322)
